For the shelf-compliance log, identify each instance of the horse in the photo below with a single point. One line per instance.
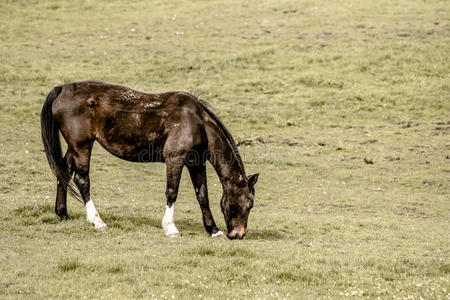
(175, 128)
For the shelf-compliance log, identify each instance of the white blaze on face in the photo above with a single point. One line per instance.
(168, 222)
(92, 215)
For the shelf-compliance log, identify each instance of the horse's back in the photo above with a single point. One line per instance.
(125, 121)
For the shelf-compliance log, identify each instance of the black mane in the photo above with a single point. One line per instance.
(225, 131)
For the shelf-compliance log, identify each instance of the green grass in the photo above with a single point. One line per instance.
(310, 89)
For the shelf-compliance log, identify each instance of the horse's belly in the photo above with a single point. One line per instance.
(140, 151)
(132, 139)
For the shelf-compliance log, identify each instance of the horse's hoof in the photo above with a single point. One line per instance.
(100, 226)
(170, 230)
(174, 235)
(63, 217)
(218, 234)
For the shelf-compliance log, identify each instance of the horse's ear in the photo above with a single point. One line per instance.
(252, 180)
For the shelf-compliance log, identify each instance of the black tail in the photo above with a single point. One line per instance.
(52, 145)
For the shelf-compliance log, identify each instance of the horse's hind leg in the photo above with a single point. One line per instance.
(198, 177)
(61, 190)
(82, 157)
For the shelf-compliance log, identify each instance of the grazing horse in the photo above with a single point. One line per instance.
(175, 128)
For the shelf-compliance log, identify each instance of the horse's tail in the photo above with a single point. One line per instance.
(52, 145)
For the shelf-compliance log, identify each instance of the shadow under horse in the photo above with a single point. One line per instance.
(174, 128)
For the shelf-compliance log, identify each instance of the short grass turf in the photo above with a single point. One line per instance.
(341, 106)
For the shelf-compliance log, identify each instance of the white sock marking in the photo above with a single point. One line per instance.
(92, 215)
(217, 234)
(168, 222)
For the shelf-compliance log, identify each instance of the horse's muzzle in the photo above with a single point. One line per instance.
(234, 234)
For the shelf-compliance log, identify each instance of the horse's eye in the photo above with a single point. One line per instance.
(233, 211)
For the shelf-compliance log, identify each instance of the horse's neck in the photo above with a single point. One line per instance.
(225, 162)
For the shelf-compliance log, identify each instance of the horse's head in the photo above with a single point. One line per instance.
(236, 205)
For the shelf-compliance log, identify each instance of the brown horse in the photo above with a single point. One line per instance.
(175, 128)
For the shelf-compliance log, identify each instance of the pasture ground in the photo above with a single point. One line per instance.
(341, 106)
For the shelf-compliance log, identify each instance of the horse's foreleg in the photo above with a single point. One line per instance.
(81, 161)
(198, 177)
(61, 190)
(174, 166)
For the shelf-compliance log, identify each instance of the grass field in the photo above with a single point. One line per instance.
(343, 107)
